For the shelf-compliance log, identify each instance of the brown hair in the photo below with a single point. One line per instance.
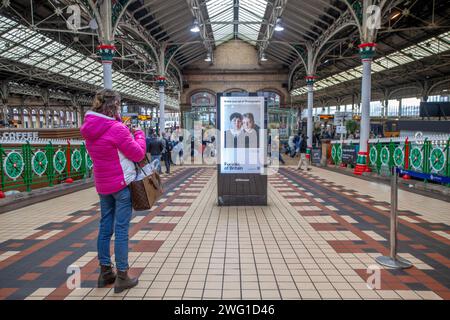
(105, 102)
(250, 116)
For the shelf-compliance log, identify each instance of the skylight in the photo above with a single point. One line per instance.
(250, 14)
(29, 47)
(430, 47)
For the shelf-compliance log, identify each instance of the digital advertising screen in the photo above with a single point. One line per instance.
(242, 130)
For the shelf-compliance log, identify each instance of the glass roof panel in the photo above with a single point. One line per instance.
(36, 43)
(436, 45)
(221, 16)
(377, 68)
(432, 46)
(74, 59)
(251, 11)
(17, 35)
(220, 11)
(445, 37)
(30, 61)
(333, 80)
(224, 32)
(340, 77)
(32, 48)
(218, 7)
(255, 7)
(399, 58)
(6, 23)
(52, 48)
(248, 32)
(416, 52)
(352, 74)
(16, 52)
(4, 45)
(386, 63)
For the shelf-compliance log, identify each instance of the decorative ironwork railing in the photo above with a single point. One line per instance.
(27, 165)
(428, 157)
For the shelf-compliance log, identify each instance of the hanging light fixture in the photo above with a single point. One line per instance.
(263, 57)
(195, 27)
(395, 14)
(278, 25)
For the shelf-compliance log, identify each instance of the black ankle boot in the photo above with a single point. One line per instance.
(124, 282)
(107, 276)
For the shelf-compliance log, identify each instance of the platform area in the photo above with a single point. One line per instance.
(317, 239)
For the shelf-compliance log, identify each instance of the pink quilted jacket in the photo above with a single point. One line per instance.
(113, 151)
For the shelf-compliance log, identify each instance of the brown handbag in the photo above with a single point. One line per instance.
(145, 192)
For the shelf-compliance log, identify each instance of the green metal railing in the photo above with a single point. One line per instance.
(428, 156)
(25, 166)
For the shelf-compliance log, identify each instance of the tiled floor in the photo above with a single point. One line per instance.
(316, 239)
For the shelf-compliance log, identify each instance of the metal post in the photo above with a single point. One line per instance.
(394, 206)
(107, 74)
(310, 123)
(393, 261)
(161, 108)
(68, 162)
(2, 175)
(365, 105)
(106, 52)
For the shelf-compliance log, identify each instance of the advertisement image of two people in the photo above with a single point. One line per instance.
(242, 123)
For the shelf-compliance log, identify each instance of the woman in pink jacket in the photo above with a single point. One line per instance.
(113, 149)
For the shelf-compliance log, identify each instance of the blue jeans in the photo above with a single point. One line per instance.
(115, 218)
(159, 161)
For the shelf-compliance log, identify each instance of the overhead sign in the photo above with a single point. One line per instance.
(326, 116)
(341, 129)
(343, 114)
(340, 117)
(129, 114)
(19, 135)
(144, 117)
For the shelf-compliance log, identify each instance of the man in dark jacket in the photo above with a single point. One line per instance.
(302, 148)
(155, 147)
(166, 152)
(296, 146)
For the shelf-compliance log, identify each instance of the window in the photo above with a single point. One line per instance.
(203, 99)
(272, 98)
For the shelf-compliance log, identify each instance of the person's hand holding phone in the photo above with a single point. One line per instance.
(127, 123)
(135, 127)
